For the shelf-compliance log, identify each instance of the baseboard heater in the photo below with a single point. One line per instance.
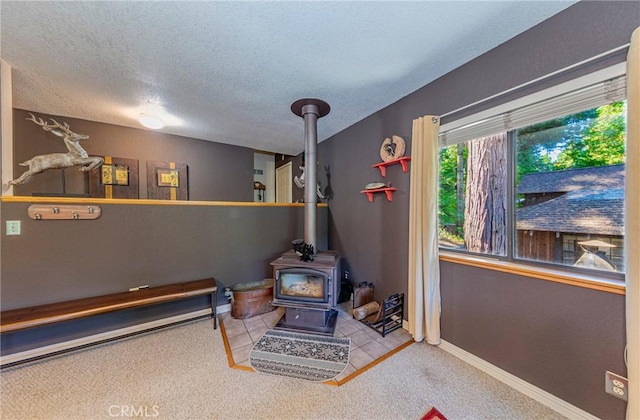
(102, 338)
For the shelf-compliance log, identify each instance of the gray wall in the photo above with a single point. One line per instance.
(566, 358)
(557, 337)
(132, 245)
(217, 172)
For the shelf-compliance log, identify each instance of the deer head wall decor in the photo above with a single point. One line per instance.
(299, 181)
(76, 155)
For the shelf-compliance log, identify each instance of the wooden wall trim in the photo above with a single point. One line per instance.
(556, 276)
(145, 202)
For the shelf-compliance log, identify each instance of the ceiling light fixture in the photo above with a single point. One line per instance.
(151, 121)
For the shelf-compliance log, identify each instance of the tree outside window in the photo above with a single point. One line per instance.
(569, 181)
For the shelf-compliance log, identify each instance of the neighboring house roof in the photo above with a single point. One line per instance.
(572, 179)
(595, 211)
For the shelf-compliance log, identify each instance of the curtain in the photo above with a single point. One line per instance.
(424, 268)
(632, 226)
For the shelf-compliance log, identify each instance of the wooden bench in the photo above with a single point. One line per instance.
(35, 316)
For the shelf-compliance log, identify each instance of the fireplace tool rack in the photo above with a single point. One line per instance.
(390, 318)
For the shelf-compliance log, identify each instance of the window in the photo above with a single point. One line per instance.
(543, 183)
(477, 169)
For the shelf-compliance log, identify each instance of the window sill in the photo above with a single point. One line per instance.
(557, 276)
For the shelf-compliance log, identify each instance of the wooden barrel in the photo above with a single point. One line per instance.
(251, 298)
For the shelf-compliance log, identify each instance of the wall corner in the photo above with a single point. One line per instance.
(6, 123)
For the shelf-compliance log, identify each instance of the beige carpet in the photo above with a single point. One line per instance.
(183, 373)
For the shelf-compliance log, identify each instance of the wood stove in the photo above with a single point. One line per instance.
(308, 291)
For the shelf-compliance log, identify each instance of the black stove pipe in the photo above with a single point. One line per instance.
(310, 110)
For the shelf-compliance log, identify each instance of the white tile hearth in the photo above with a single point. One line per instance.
(367, 345)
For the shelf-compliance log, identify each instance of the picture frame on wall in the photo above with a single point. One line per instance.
(115, 178)
(167, 181)
(114, 174)
(168, 177)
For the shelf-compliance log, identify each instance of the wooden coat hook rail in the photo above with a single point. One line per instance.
(64, 212)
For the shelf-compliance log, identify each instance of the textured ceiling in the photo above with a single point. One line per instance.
(229, 71)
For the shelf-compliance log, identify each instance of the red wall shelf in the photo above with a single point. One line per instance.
(387, 190)
(404, 161)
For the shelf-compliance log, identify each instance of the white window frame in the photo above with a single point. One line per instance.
(514, 264)
(558, 90)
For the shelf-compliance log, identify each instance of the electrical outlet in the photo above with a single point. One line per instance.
(616, 385)
(13, 227)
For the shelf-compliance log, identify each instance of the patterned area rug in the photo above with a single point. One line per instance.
(309, 357)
